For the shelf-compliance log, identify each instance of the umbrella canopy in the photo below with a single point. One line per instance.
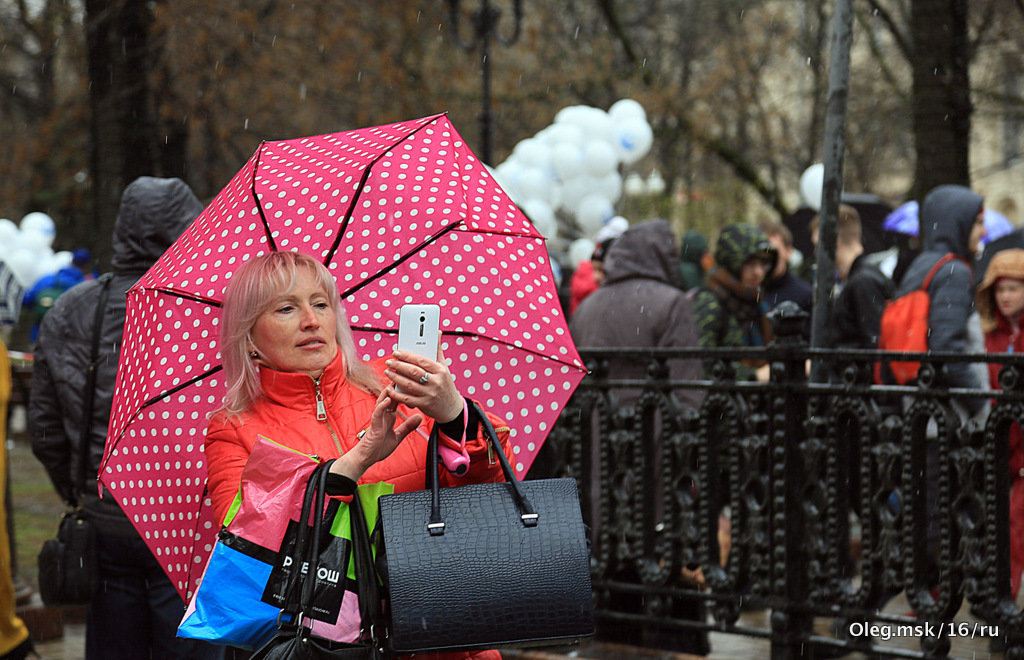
(400, 213)
(904, 220)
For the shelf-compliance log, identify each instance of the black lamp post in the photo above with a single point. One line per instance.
(485, 20)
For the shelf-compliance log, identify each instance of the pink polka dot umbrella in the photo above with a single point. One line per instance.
(401, 213)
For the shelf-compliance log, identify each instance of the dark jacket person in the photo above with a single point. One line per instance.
(951, 221)
(641, 304)
(137, 609)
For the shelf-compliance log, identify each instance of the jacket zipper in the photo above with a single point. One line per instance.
(321, 415)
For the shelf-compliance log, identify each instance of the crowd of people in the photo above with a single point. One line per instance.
(666, 293)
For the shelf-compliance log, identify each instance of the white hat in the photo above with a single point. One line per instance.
(612, 229)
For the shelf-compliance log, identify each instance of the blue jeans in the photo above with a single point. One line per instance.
(137, 610)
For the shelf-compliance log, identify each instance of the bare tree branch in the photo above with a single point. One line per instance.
(611, 15)
(732, 156)
(902, 42)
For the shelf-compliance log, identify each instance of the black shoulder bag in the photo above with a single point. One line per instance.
(67, 564)
(485, 565)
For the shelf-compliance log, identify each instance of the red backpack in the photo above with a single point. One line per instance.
(904, 328)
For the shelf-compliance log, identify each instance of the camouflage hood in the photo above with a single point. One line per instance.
(738, 243)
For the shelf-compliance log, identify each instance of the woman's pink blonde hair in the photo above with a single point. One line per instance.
(250, 292)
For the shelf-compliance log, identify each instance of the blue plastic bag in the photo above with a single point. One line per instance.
(230, 610)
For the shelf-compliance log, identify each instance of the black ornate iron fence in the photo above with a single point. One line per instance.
(795, 468)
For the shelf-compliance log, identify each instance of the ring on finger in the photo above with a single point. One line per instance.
(425, 378)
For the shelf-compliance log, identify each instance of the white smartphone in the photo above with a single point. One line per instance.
(419, 327)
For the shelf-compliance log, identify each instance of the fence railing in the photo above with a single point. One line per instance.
(801, 498)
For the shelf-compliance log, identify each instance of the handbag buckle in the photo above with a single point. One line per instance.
(530, 519)
(436, 529)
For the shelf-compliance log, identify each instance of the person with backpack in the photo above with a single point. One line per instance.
(730, 307)
(934, 304)
(952, 226)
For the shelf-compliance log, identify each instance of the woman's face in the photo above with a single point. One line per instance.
(1009, 294)
(297, 332)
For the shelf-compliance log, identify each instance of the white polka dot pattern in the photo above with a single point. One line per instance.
(399, 213)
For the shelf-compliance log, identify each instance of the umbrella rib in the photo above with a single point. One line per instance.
(178, 388)
(405, 257)
(256, 198)
(188, 296)
(153, 400)
(362, 184)
(467, 333)
(199, 511)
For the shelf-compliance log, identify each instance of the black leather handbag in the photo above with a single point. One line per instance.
(295, 641)
(485, 565)
(67, 564)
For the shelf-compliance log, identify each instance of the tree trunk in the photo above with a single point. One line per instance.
(123, 130)
(941, 99)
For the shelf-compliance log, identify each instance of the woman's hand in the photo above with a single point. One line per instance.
(379, 440)
(424, 384)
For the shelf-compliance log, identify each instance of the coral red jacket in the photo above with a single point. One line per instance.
(287, 414)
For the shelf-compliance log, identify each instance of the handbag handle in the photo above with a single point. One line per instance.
(313, 499)
(367, 587)
(307, 547)
(436, 525)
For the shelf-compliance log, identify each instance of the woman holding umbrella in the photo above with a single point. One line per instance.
(293, 376)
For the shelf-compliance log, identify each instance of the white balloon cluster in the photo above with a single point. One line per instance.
(26, 248)
(570, 169)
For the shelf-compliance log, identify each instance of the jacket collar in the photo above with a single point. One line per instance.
(298, 390)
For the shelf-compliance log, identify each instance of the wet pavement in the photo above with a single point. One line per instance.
(724, 647)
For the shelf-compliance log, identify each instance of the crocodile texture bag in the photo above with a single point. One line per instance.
(486, 565)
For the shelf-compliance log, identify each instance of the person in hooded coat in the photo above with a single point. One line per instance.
(137, 610)
(952, 221)
(730, 307)
(694, 259)
(641, 303)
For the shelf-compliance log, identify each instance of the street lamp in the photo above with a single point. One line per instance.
(485, 21)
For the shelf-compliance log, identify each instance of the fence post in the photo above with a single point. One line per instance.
(790, 628)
